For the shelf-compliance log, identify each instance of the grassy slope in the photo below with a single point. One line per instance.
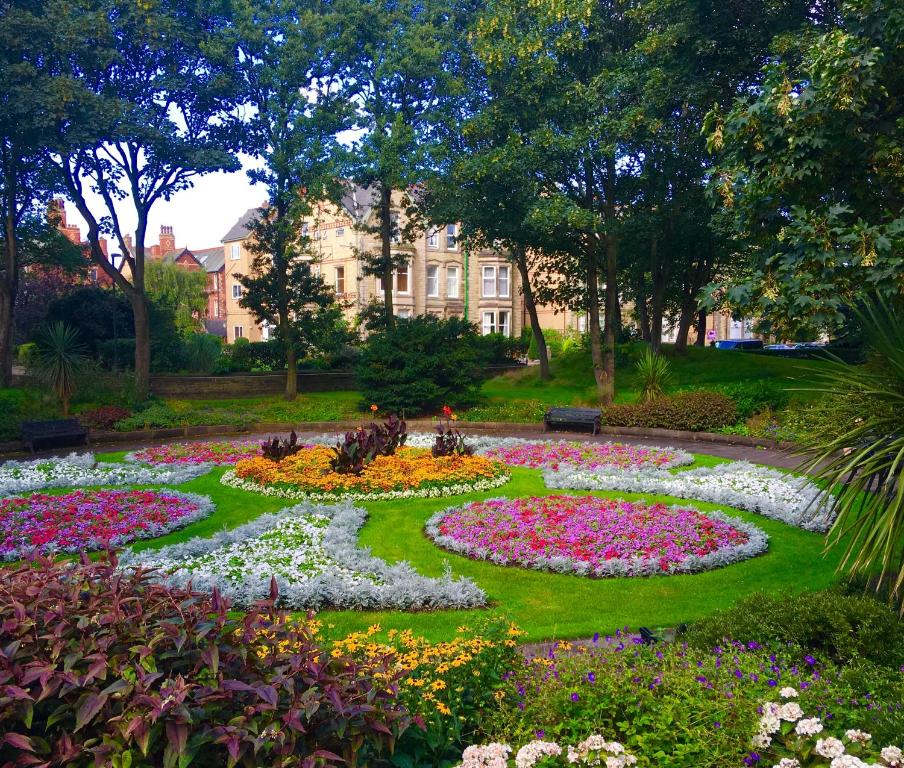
(572, 381)
(546, 605)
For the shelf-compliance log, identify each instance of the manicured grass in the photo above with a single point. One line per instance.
(545, 605)
(572, 377)
(310, 406)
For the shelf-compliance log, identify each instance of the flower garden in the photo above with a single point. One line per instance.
(431, 562)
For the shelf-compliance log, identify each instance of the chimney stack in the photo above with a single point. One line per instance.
(167, 240)
(127, 239)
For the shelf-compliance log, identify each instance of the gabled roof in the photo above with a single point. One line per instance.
(170, 256)
(242, 227)
(212, 259)
(359, 201)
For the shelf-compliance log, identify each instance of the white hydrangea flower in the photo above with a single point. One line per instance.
(849, 761)
(829, 747)
(788, 693)
(787, 762)
(791, 712)
(857, 736)
(761, 740)
(808, 727)
(531, 752)
(893, 756)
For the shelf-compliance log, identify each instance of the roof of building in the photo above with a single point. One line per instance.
(359, 201)
(170, 256)
(212, 259)
(242, 227)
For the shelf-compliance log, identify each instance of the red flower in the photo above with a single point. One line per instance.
(447, 411)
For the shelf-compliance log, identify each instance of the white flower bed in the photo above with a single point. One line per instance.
(232, 480)
(594, 751)
(78, 470)
(311, 550)
(768, 492)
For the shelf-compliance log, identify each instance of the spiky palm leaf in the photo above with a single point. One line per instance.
(60, 358)
(655, 373)
(859, 453)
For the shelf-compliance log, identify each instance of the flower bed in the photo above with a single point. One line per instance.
(597, 537)
(218, 452)
(311, 551)
(87, 520)
(555, 454)
(767, 492)
(409, 473)
(82, 470)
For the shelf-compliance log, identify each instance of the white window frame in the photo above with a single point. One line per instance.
(433, 239)
(339, 276)
(488, 323)
(488, 276)
(238, 332)
(340, 232)
(236, 291)
(451, 237)
(505, 328)
(404, 314)
(431, 283)
(235, 251)
(450, 282)
(506, 281)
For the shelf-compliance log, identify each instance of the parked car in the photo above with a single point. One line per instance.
(738, 344)
(778, 347)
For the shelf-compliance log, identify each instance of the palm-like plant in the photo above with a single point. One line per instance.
(655, 373)
(60, 358)
(858, 454)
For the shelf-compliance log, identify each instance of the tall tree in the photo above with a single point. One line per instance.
(575, 54)
(181, 291)
(26, 183)
(812, 177)
(293, 117)
(391, 59)
(151, 115)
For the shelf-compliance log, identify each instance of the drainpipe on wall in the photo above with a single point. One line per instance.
(466, 255)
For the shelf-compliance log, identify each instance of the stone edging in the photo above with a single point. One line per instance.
(492, 427)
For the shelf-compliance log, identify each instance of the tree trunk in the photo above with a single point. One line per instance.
(291, 373)
(142, 344)
(700, 341)
(386, 252)
(658, 277)
(593, 309)
(643, 316)
(9, 285)
(613, 317)
(531, 306)
(699, 275)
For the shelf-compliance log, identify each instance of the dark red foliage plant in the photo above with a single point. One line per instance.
(102, 667)
(104, 416)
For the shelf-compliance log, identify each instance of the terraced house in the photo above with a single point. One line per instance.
(441, 276)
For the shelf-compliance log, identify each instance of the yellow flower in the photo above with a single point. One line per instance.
(443, 709)
(437, 685)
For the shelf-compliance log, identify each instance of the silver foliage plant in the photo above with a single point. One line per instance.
(757, 543)
(374, 585)
(763, 491)
(79, 470)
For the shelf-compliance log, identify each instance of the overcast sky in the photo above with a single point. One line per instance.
(199, 216)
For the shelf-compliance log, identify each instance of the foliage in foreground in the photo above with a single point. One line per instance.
(98, 665)
(860, 454)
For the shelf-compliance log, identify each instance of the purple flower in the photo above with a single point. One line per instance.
(575, 697)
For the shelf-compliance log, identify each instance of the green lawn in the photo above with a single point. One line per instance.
(572, 378)
(545, 605)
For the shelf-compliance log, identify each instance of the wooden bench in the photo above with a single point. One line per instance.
(572, 419)
(57, 433)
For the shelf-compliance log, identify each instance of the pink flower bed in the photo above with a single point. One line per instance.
(92, 519)
(560, 453)
(592, 536)
(206, 452)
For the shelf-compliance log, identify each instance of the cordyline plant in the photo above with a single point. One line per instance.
(360, 447)
(449, 441)
(858, 452)
(104, 667)
(277, 449)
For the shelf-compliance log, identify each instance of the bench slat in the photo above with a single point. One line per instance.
(54, 433)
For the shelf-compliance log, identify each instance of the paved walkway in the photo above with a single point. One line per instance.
(766, 456)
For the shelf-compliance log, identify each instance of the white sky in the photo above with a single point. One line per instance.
(199, 216)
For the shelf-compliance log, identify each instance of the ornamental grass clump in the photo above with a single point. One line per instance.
(101, 667)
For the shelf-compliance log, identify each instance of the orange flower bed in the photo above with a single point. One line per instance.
(409, 469)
